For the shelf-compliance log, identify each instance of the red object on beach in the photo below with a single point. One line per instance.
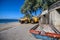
(54, 35)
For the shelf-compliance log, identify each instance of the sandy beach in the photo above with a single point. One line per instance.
(5, 26)
(16, 31)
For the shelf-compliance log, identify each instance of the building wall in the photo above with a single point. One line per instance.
(44, 19)
(55, 18)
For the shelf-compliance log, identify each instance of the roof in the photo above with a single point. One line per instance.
(44, 12)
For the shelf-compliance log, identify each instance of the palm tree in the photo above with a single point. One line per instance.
(31, 6)
(27, 7)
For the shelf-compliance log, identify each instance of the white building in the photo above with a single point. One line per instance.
(44, 18)
(54, 15)
(51, 16)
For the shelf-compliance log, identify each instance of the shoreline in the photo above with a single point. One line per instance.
(6, 26)
(8, 22)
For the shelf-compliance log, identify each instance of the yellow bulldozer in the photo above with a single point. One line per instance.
(29, 20)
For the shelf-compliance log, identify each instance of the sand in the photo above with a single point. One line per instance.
(17, 32)
(5, 26)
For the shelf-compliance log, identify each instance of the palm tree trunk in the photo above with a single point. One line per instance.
(35, 13)
(31, 14)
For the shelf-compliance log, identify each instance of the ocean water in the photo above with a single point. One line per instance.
(8, 20)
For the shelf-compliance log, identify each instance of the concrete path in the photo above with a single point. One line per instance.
(20, 32)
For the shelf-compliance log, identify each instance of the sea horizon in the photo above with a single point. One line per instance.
(8, 20)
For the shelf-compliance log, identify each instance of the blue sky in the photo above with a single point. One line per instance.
(10, 9)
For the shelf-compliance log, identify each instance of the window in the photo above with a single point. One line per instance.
(44, 15)
(58, 10)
